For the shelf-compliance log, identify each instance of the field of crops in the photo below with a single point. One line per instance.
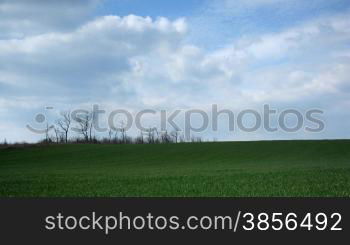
(248, 169)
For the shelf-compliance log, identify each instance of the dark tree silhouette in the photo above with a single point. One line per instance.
(64, 123)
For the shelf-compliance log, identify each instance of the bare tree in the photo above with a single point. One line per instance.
(64, 123)
(175, 135)
(152, 135)
(110, 135)
(182, 138)
(85, 124)
(140, 139)
(122, 131)
(165, 137)
(92, 119)
(123, 135)
(116, 139)
(59, 135)
(47, 133)
(196, 139)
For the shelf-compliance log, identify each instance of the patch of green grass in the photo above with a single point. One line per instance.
(249, 169)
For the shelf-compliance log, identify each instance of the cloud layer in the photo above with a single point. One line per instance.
(141, 62)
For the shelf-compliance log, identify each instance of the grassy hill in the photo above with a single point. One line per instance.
(275, 168)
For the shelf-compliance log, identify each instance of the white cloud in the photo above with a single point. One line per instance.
(143, 60)
(139, 62)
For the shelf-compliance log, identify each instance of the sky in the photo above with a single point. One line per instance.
(170, 55)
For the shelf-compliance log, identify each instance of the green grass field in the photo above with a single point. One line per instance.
(233, 169)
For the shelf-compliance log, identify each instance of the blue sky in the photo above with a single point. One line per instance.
(173, 55)
(153, 8)
(208, 16)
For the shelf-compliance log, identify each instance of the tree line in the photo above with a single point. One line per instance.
(81, 130)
